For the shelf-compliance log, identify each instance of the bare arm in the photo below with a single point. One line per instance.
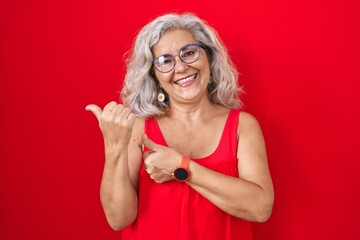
(122, 133)
(249, 197)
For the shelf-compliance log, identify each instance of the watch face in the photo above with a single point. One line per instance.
(181, 174)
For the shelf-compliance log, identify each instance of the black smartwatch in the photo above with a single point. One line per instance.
(182, 173)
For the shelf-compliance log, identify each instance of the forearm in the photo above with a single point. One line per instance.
(117, 193)
(236, 196)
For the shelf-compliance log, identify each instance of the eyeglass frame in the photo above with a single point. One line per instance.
(173, 56)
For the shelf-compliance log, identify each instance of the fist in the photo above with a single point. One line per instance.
(160, 162)
(115, 121)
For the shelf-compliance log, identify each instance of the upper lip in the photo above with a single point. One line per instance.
(184, 77)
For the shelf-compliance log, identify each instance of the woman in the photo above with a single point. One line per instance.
(182, 161)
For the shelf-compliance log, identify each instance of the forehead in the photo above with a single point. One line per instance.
(172, 41)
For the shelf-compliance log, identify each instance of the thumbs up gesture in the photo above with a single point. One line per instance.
(115, 121)
(160, 162)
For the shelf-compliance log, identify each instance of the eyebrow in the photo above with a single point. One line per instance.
(177, 51)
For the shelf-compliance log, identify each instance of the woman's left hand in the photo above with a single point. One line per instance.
(160, 162)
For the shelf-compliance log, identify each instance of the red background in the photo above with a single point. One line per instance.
(300, 68)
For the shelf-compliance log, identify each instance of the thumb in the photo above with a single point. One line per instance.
(150, 144)
(95, 109)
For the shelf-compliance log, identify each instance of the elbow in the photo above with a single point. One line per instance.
(119, 217)
(259, 212)
(119, 224)
(119, 213)
(263, 211)
(116, 227)
(262, 216)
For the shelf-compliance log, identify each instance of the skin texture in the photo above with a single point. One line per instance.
(192, 127)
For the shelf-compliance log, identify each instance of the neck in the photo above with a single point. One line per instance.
(192, 111)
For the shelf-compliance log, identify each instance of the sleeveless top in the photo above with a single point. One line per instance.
(175, 211)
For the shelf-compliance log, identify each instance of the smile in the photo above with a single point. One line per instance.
(186, 80)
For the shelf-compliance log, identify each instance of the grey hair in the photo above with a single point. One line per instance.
(140, 87)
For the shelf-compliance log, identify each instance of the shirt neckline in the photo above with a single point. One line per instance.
(227, 122)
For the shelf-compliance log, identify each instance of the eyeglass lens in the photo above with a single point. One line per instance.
(188, 55)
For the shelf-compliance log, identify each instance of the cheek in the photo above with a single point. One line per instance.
(203, 63)
(162, 78)
(205, 68)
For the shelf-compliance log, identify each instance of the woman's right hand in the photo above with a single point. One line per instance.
(115, 121)
(119, 181)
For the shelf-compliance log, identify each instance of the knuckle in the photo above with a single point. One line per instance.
(119, 107)
(123, 123)
(147, 161)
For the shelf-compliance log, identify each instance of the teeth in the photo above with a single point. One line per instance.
(186, 80)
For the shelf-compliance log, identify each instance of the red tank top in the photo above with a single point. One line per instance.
(175, 211)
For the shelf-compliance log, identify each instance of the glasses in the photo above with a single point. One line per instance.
(187, 54)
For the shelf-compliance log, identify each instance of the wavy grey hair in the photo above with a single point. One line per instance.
(140, 85)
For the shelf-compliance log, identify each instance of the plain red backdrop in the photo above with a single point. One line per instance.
(300, 68)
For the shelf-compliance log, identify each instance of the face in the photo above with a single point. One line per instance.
(186, 82)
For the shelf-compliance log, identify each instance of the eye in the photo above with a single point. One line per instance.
(188, 53)
(164, 60)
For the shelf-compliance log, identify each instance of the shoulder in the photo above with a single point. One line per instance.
(246, 118)
(250, 138)
(248, 124)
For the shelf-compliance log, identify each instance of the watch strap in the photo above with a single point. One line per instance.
(185, 162)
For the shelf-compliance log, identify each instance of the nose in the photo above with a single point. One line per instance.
(180, 66)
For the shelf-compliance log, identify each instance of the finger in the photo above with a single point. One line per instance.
(154, 175)
(146, 154)
(131, 118)
(147, 161)
(158, 178)
(118, 108)
(150, 170)
(110, 106)
(121, 112)
(150, 144)
(95, 109)
(126, 113)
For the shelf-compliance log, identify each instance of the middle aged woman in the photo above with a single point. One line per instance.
(182, 161)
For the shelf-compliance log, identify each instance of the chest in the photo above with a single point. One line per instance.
(196, 141)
